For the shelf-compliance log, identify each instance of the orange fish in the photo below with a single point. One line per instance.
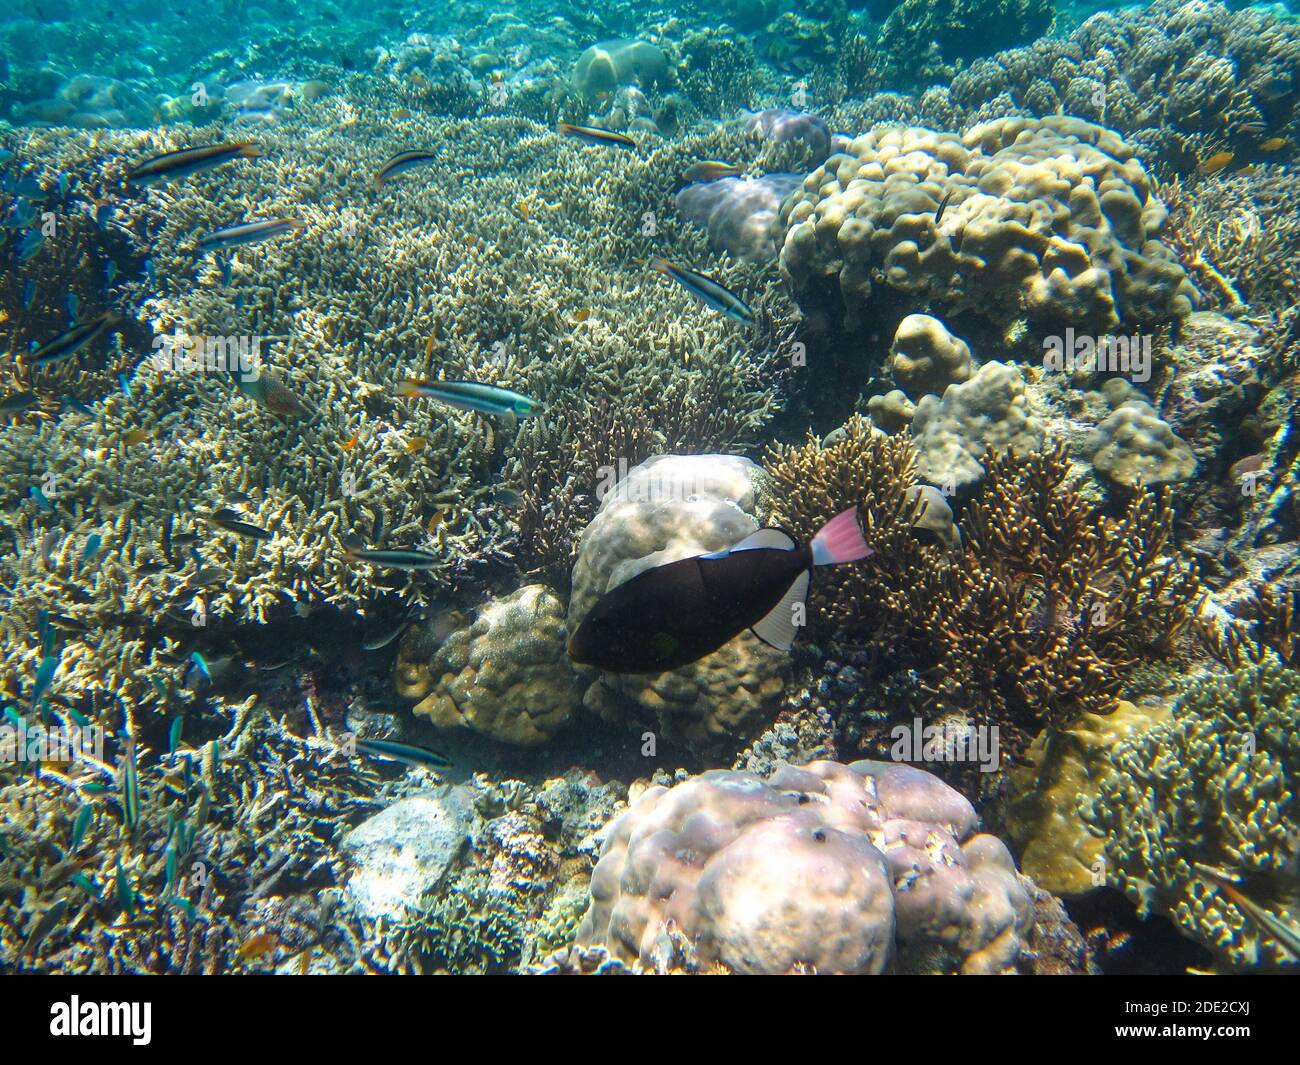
(1216, 162)
(353, 442)
(415, 444)
(401, 113)
(257, 946)
(435, 520)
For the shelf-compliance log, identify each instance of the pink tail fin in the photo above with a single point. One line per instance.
(840, 540)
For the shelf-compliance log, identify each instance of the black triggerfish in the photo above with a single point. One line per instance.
(670, 615)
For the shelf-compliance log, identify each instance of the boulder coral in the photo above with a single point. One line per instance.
(1135, 446)
(609, 65)
(926, 358)
(1050, 221)
(865, 868)
(990, 411)
(504, 674)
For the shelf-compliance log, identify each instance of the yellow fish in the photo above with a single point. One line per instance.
(349, 445)
(415, 444)
(135, 436)
(581, 316)
(1274, 144)
(401, 113)
(1216, 162)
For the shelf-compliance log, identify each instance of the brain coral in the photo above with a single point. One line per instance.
(833, 868)
(1051, 219)
(506, 674)
(990, 411)
(667, 508)
(1214, 785)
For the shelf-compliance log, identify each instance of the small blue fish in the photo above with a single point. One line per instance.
(79, 827)
(110, 272)
(249, 233)
(71, 402)
(124, 383)
(201, 665)
(471, 395)
(93, 543)
(29, 294)
(73, 304)
(64, 182)
(44, 674)
(401, 163)
(77, 716)
(87, 885)
(30, 245)
(15, 718)
(41, 500)
(29, 187)
(130, 789)
(150, 272)
(124, 891)
(174, 735)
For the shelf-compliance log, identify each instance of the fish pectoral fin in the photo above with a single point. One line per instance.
(777, 629)
(772, 539)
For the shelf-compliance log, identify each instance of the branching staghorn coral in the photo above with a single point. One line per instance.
(1238, 236)
(218, 869)
(1041, 614)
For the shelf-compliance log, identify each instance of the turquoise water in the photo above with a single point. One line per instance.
(437, 436)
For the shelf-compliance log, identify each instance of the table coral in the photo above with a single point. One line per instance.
(828, 868)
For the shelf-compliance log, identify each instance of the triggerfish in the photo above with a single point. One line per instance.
(706, 290)
(250, 232)
(471, 395)
(188, 161)
(673, 614)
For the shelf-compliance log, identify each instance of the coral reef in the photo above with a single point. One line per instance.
(926, 358)
(342, 313)
(667, 508)
(1051, 221)
(826, 868)
(1064, 768)
(990, 411)
(504, 674)
(1050, 603)
(1184, 79)
(921, 38)
(1213, 785)
(1135, 447)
